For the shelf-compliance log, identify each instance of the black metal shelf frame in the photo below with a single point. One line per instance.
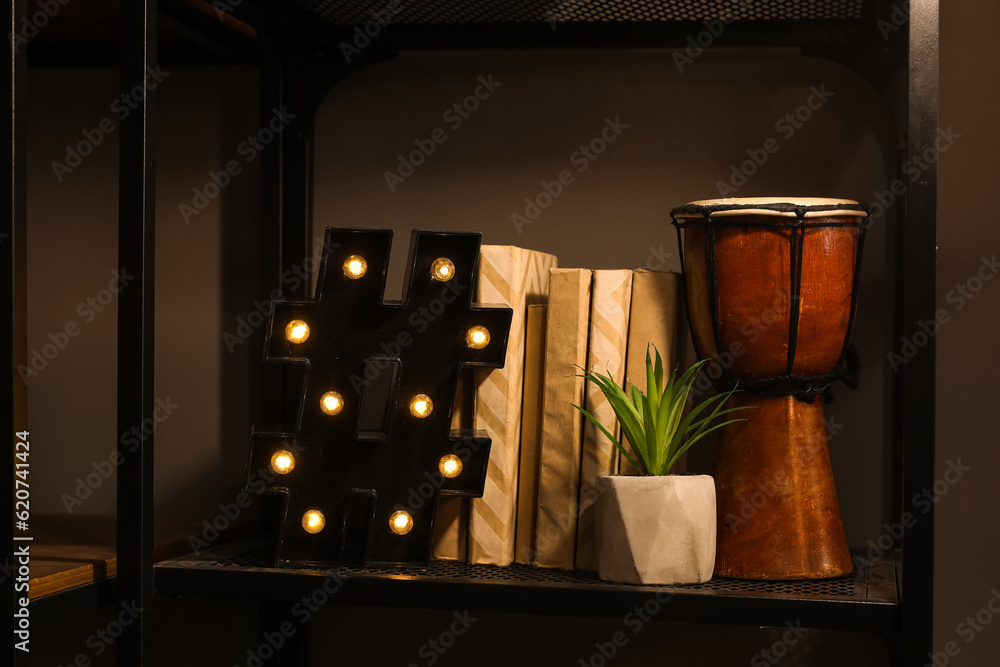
(296, 46)
(864, 601)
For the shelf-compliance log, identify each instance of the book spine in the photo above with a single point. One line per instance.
(516, 278)
(609, 315)
(566, 335)
(451, 525)
(652, 321)
(531, 428)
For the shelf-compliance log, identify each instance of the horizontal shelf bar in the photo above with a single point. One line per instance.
(867, 601)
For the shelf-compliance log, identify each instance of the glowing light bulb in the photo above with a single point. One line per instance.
(297, 331)
(400, 522)
(313, 521)
(331, 403)
(450, 466)
(355, 266)
(421, 405)
(282, 462)
(443, 269)
(478, 337)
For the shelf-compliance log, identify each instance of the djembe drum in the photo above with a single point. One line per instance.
(771, 296)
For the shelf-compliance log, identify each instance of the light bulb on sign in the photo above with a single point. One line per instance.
(450, 466)
(478, 337)
(331, 403)
(313, 521)
(297, 331)
(400, 522)
(421, 406)
(355, 267)
(282, 462)
(443, 269)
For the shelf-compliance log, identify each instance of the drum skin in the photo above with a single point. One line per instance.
(779, 517)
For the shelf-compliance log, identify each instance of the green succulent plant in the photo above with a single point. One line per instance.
(654, 422)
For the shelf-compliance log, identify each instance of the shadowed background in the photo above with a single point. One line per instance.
(684, 132)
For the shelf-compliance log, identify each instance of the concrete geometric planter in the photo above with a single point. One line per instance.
(656, 529)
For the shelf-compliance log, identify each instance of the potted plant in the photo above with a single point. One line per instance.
(654, 527)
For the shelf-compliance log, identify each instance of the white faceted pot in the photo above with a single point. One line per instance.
(656, 529)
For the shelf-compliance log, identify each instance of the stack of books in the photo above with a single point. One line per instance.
(545, 461)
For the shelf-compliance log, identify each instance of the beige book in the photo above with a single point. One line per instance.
(609, 315)
(517, 278)
(531, 431)
(566, 332)
(653, 320)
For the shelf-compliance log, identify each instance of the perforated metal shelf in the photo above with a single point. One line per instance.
(867, 599)
(337, 12)
(326, 27)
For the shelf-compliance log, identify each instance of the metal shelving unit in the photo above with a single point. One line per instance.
(864, 601)
(296, 45)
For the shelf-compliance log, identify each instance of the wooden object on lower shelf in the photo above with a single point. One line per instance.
(71, 551)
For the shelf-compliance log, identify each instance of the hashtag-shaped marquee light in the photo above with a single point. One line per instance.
(347, 334)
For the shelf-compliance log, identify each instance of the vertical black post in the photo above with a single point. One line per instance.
(136, 204)
(271, 218)
(919, 239)
(294, 652)
(285, 229)
(13, 307)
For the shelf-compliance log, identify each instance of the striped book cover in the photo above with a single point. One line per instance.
(609, 315)
(513, 277)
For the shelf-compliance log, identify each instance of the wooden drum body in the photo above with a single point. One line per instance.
(771, 294)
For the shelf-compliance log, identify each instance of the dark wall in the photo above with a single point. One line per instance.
(685, 130)
(967, 574)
